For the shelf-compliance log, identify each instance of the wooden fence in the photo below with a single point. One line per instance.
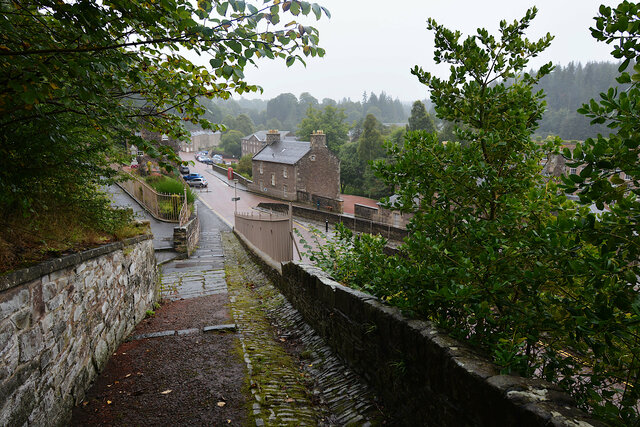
(164, 207)
(269, 232)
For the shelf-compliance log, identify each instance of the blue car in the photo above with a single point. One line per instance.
(192, 176)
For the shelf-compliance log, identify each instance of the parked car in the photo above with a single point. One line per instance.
(184, 170)
(198, 182)
(192, 176)
(217, 159)
(207, 160)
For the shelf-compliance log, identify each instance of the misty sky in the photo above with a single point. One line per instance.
(371, 45)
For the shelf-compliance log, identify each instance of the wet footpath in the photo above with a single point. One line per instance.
(224, 348)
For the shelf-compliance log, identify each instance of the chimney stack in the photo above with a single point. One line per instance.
(273, 136)
(318, 139)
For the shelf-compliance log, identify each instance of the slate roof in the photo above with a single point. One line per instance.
(288, 152)
(262, 135)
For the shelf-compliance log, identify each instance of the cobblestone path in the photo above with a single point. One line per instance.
(203, 273)
(293, 377)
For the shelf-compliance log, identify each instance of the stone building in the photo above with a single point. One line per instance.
(298, 171)
(255, 142)
(202, 140)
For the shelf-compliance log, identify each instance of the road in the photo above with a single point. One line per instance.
(218, 197)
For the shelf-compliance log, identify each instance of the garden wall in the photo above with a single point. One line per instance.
(61, 320)
(423, 376)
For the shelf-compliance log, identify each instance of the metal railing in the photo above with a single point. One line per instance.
(269, 232)
(164, 207)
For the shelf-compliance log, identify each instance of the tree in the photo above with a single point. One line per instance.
(370, 143)
(330, 120)
(245, 165)
(351, 167)
(420, 119)
(244, 125)
(79, 78)
(284, 108)
(609, 177)
(231, 143)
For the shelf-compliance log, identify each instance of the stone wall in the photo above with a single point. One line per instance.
(61, 320)
(318, 173)
(186, 237)
(356, 224)
(274, 180)
(423, 376)
(241, 179)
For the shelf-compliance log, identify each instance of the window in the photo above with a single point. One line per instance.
(260, 168)
(284, 172)
(273, 179)
(284, 190)
(573, 171)
(313, 157)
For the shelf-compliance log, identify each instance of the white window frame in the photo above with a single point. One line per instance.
(273, 179)
(284, 172)
(261, 171)
(573, 171)
(312, 157)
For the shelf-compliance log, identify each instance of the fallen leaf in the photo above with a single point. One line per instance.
(85, 403)
(109, 385)
(282, 339)
(116, 382)
(127, 376)
(311, 365)
(166, 392)
(290, 400)
(108, 402)
(228, 421)
(221, 404)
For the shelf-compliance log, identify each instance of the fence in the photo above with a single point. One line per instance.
(164, 207)
(271, 233)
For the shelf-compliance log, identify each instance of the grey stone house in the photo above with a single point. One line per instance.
(298, 171)
(255, 142)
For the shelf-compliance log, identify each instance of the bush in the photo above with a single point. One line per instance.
(166, 185)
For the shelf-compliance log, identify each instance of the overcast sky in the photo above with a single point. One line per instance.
(372, 44)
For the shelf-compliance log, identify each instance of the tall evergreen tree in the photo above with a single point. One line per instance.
(420, 119)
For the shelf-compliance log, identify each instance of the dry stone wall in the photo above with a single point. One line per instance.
(60, 321)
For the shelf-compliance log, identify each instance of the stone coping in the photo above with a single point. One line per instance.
(14, 278)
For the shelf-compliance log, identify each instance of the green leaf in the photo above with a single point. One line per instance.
(215, 62)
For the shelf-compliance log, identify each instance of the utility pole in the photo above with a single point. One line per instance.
(235, 195)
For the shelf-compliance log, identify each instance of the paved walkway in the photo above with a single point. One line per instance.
(225, 348)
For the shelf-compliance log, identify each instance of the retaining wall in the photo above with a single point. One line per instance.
(353, 223)
(423, 376)
(186, 237)
(61, 320)
(241, 179)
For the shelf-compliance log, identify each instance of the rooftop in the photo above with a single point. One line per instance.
(288, 151)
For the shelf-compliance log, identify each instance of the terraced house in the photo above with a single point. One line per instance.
(298, 171)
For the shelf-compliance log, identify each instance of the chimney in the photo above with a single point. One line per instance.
(273, 136)
(318, 139)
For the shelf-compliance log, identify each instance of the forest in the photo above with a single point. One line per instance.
(357, 129)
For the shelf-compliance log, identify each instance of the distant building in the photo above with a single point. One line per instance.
(252, 144)
(202, 140)
(298, 171)
(383, 215)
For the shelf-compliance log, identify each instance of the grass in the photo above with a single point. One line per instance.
(52, 234)
(168, 185)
